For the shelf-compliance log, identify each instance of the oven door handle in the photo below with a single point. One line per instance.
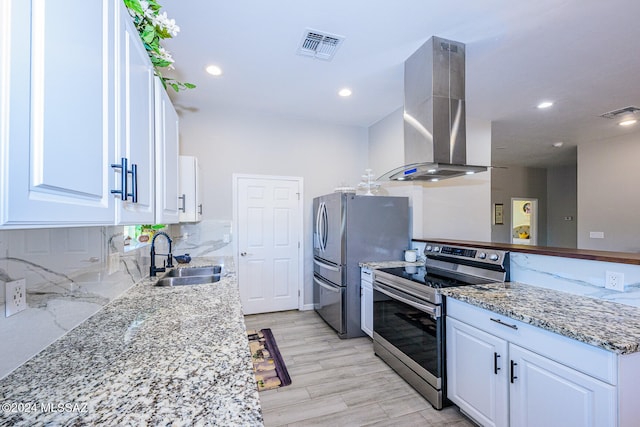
(429, 309)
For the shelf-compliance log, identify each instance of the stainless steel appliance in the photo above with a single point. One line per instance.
(409, 314)
(434, 114)
(349, 229)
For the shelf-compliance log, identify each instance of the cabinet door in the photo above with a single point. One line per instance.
(366, 304)
(59, 147)
(135, 124)
(190, 204)
(546, 393)
(166, 136)
(477, 373)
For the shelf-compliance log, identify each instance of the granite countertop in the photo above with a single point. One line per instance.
(389, 264)
(609, 325)
(154, 356)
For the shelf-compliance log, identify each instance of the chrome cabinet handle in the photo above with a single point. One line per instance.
(508, 325)
(200, 208)
(184, 203)
(123, 192)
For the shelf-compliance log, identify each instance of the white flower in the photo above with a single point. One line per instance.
(162, 21)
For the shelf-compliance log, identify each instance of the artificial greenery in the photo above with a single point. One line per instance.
(154, 26)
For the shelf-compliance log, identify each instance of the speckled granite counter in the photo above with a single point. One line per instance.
(389, 264)
(154, 356)
(612, 326)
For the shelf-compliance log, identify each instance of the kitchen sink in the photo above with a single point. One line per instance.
(187, 280)
(193, 271)
(190, 276)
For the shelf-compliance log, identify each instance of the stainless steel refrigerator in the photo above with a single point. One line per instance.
(349, 229)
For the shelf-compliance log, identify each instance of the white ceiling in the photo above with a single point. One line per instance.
(582, 54)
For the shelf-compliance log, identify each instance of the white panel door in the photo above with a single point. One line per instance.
(268, 212)
(545, 394)
(59, 146)
(477, 373)
(135, 123)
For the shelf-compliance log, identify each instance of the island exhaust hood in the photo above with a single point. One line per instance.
(434, 114)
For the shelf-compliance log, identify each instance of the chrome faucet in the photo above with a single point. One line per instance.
(168, 263)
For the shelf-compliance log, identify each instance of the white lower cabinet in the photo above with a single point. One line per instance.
(546, 393)
(478, 390)
(366, 301)
(502, 372)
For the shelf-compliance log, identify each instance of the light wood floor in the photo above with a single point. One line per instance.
(339, 382)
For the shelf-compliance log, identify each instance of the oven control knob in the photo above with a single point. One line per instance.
(428, 248)
(493, 257)
(482, 255)
(436, 249)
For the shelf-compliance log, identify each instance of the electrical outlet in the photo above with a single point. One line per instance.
(15, 297)
(113, 263)
(614, 280)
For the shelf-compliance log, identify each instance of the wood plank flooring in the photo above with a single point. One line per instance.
(339, 382)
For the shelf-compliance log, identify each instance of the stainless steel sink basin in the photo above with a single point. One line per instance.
(187, 280)
(193, 271)
(190, 276)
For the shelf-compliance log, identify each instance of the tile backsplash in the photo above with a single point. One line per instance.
(69, 277)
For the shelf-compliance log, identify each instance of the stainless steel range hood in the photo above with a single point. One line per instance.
(434, 114)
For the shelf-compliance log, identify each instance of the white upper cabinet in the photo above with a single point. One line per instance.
(167, 131)
(76, 117)
(190, 204)
(134, 124)
(57, 113)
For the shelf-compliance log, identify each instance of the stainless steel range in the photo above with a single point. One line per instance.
(409, 314)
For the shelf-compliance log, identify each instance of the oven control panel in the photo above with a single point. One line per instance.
(488, 256)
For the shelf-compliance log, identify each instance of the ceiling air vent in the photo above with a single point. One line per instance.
(319, 44)
(622, 111)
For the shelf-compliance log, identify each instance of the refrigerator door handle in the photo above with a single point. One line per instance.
(325, 228)
(327, 266)
(327, 287)
(318, 231)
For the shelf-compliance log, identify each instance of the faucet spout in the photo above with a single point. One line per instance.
(168, 263)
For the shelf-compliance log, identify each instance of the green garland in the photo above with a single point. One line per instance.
(154, 26)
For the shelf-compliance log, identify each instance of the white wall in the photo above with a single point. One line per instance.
(608, 194)
(326, 156)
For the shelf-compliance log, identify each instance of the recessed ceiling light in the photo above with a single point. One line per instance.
(345, 92)
(434, 180)
(469, 173)
(214, 70)
(558, 144)
(628, 122)
(545, 104)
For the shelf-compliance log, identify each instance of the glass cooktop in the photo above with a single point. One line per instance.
(422, 276)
